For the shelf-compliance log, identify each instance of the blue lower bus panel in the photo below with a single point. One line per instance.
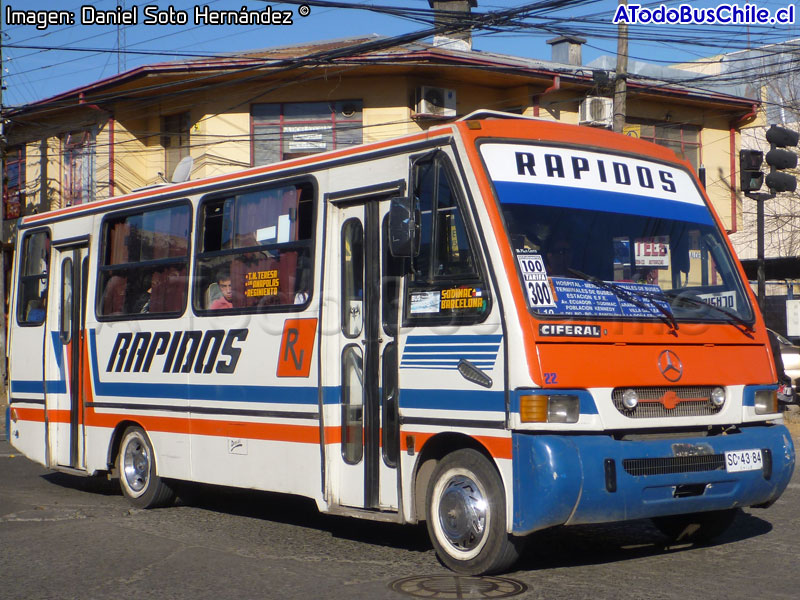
(591, 478)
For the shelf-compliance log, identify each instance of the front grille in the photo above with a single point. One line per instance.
(674, 464)
(677, 401)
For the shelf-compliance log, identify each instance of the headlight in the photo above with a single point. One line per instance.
(766, 402)
(555, 408)
(630, 399)
(718, 397)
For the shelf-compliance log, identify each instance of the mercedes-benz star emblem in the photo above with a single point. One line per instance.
(670, 365)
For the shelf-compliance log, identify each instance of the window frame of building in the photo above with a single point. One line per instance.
(680, 143)
(79, 167)
(14, 182)
(309, 130)
(136, 280)
(256, 265)
(175, 139)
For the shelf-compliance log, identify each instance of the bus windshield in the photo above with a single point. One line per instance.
(604, 235)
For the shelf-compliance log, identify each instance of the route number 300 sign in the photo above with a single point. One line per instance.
(535, 277)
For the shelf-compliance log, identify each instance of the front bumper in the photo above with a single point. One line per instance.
(572, 479)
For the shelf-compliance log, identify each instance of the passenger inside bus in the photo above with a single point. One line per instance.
(114, 295)
(223, 283)
(35, 311)
(142, 303)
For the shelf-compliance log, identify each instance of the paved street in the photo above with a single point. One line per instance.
(67, 537)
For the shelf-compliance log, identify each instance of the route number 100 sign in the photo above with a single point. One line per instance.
(534, 275)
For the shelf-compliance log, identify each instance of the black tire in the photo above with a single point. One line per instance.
(136, 466)
(696, 528)
(466, 515)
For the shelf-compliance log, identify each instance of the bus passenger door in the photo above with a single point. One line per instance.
(363, 473)
(66, 369)
(28, 329)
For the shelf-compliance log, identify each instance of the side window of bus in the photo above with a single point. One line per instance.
(445, 281)
(145, 263)
(34, 269)
(255, 250)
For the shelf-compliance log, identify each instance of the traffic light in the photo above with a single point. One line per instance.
(750, 173)
(779, 159)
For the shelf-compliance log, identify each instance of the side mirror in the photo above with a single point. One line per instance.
(402, 228)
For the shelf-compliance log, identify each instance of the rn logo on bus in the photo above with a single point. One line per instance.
(212, 351)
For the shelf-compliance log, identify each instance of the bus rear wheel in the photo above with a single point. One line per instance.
(696, 528)
(136, 466)
(466, 515)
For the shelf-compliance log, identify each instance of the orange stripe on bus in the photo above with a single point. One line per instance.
(497, 447)
(35, 415)
(303, 434)
(59, 416)
(333, 435)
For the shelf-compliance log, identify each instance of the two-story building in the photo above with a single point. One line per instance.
(131, 130)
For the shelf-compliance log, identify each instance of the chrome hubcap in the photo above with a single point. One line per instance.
(462, 513)
(136, 465)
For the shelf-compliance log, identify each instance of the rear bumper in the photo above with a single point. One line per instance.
(560, 479)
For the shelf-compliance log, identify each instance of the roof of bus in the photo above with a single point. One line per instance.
(486, 125)
(542, 130)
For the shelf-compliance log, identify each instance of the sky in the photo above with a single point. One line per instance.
(42, 62)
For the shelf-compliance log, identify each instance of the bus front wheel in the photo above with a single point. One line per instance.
(137, 471)
(466, 515)
(696, 528)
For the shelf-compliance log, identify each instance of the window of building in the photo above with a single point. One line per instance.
(445, 284)
(34, 269)
(14, 183)
(255, 250)
(79, 155)
(175, 140)
(144, 264)
(292, 129)
(683, 139)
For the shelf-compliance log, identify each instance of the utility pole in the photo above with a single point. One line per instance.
(120, 40)
(2, 224)
(620, 82)
(760, 262)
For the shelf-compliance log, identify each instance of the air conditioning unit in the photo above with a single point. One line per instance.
(435, 102)
(596, 111)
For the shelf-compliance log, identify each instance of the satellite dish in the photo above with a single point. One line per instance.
(183, 170)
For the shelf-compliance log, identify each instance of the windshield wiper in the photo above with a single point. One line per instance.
(736, 319)
(632, 297)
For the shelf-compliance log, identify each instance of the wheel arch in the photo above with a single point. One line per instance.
(435, 449)
(116, 440)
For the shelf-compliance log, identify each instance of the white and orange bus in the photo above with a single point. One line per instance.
(496, 326)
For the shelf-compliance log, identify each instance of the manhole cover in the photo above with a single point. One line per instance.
(459, 587)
